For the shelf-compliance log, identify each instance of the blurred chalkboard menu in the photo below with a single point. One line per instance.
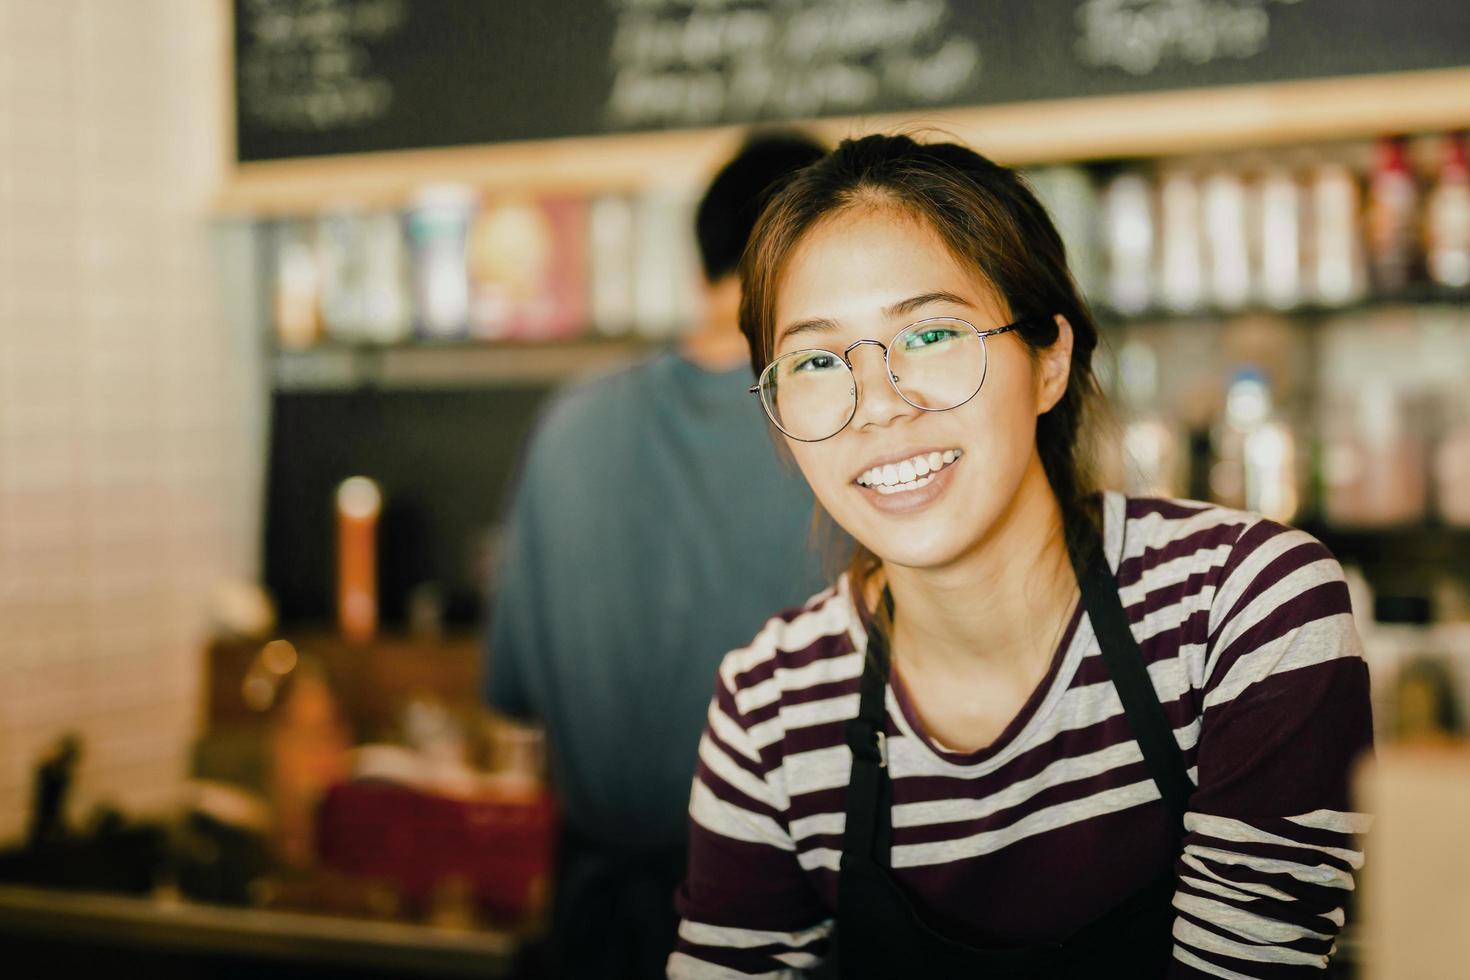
(316, 77)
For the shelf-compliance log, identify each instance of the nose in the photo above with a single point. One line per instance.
(878, 400)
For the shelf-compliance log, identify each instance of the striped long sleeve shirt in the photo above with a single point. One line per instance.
(1248, 637)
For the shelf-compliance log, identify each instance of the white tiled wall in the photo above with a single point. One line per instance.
(128, 467)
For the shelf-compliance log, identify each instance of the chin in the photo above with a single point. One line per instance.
(932, 543)
(909, 554)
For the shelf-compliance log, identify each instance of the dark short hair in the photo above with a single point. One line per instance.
(735, 197)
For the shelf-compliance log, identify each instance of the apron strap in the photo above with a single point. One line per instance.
(867, 797)
(1124, 660)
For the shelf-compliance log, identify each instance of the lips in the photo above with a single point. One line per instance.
(910, 496)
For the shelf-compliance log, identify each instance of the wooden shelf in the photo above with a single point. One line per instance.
(331, 366)
(345, 367)
(1421, 299)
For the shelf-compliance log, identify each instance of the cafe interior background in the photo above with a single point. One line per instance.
(283, 284)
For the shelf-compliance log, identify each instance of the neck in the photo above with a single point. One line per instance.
(715, 346)
(1000, 607)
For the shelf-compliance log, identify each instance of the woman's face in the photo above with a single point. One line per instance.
(866, 274)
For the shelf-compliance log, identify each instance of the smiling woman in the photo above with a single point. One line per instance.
(1038, 729)
(940, 231)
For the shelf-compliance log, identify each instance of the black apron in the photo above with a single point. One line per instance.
(880, 933)
(612, 915)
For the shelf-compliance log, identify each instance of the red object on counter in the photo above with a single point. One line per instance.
(503, 848)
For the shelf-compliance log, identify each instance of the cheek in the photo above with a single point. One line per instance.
(1002, 418)
(822, 467)
(1007, 404)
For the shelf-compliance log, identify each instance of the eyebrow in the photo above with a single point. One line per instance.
(903, 307)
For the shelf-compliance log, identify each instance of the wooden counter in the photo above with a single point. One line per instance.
(271, 939)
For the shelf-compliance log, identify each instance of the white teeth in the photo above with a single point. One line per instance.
(908, 474)
(910, 485)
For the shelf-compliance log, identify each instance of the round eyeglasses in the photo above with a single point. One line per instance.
(935, 365)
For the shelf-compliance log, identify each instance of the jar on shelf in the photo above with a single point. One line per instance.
(1452, 461)
(1373, 456)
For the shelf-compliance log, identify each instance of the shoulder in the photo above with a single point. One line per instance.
(1165, 532)
(797, 650)
(584, 418)
(1167, 539)
(1281, 575)
(1272, 597)
(1277, 598)
(1233, 551)
(592, 401)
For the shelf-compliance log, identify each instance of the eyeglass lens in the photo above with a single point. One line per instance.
(937, 364)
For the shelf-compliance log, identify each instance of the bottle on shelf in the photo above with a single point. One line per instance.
(1338, 270)
(359, 505)
(1128, 229)
(1227, 240)
(1276, 224)
(1072, 200)
(387, 304)
(666, 275)
(1392, 216)
(364, 268)
(296, 299)
(1181, 278)
(438, 231)
(1447, 216)
(1153, 448)
(1256, 452)
(610, 264)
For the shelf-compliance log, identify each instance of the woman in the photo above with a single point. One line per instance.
(1035, 730)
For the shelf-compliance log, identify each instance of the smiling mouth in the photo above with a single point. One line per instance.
(908, 474)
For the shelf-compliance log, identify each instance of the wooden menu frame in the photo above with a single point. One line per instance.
(1144, 125)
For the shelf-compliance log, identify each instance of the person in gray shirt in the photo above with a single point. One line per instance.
(653, 529)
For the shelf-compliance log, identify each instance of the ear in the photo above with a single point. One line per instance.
(1054, 368)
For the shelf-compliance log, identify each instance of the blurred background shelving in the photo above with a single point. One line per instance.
(1299, 282)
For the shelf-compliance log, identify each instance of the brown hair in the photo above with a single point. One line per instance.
(988, 218)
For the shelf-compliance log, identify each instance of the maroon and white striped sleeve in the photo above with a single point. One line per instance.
(1271, 847)
(747, 906)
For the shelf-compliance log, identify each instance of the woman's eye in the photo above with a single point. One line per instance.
(815, 362)
(924, 338)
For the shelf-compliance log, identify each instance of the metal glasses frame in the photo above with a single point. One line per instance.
(887, 348)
